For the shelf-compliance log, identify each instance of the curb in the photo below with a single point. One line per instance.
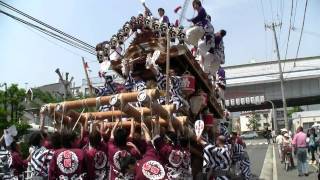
(267, 168)
(275, 173)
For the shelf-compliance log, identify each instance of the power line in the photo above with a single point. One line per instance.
(264, 17)
(44, 24)
(65, 48)
(295, 13)
(265, 33)
(51, 34)
(271, 8)
(301, 32)
(306, 32)
(290, 25)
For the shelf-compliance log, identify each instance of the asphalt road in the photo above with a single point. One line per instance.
(292, 174)
(256, 149)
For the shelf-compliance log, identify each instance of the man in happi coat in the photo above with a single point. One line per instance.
(175, 87)
(150, 166)
(197, 31)
(96, 155)
(40, 157)
(216, 159)
(240, 159)
(117, 150)
(163, 18)
(67, 162)
(175, 157)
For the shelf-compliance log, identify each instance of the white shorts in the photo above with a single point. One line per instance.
(204, 46)
(193, 34)
(211, 63)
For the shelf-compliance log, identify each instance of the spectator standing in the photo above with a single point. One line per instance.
(300, 144)
(312, 145)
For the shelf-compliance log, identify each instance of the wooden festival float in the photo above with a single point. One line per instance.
(164, 45)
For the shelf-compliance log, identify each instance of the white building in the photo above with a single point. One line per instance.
(264, 117)
(305, 119)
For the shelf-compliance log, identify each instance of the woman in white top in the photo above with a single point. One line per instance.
(287, 147)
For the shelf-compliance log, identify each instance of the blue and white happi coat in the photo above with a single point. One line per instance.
(216, 158)
(105, 91)
(133, 85)
(224, 131)
(238, 155)
(175, 89)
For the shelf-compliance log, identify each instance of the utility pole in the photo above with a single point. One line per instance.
(87, 77)
(273, 28)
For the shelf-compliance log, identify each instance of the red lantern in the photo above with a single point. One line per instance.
(208, 119)
(188, 84)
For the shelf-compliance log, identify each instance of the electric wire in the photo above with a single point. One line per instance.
(295, 13)
(289, 33)
(300, 38)
(57, 44)
(301, 32)
(46, 25)
(51, 34)
(265, 33)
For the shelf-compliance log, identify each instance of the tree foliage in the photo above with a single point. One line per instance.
(14, 98)
(293, 110)
(253, 122)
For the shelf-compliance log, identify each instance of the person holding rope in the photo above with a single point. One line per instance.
(96, 155)
(175, 158)
(67, 162)
(150, 166)
(118, 149)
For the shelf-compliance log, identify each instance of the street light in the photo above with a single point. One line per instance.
(5, 97)
(274, 115)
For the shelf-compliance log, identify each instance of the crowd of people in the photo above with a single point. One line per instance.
(120, 153)
(301, 145)
(138, 153)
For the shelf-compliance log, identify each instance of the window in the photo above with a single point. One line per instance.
(280, 114)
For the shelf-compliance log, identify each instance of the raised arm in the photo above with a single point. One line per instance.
(156, 130)
(170, 126)
(146, 132)
(132, 129)
(113, 129)
(201, 141)
(200, 17)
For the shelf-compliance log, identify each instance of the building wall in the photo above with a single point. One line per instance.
(265, 117)
(305, 119)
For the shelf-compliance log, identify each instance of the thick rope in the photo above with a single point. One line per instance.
(78, 119)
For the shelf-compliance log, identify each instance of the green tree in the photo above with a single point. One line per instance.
(253, 122)
(16, 97)
(293, 110)
(15, 108)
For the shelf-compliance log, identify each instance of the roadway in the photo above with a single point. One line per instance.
(265, 163)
